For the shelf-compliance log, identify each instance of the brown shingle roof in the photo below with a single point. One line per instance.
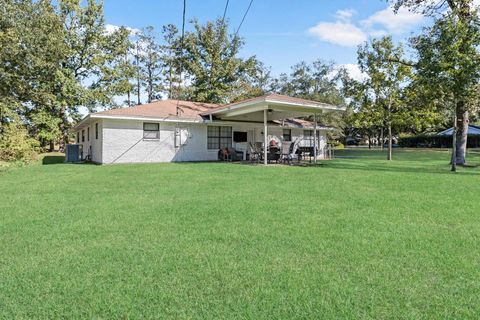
(192, 110)
(164, 109)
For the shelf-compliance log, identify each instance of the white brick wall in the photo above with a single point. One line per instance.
(91, 146)
(121, 141)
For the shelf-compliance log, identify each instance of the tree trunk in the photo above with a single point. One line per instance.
(369, 142)
(129, 99)
(138, 89)
(461, 132)
(63, 129)
(389, 157)
(137, 59)
(382, 138)
(170, 93)
(454, 143)
(149, 86)
(1, 119)
(52, 146)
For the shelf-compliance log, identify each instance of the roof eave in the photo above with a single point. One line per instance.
(319, 106)
(148, 118)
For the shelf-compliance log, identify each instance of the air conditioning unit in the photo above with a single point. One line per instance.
(73, 153)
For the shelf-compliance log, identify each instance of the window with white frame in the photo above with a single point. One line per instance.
(219, 137)
(151, 130)
(308, 137)
(83, 135)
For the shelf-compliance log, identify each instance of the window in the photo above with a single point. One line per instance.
(219, 137)
(240, 136)
(88, 134)
(83, 135)
(287, 135)
(78, 137)
(308, 137)
(151, 130)
(96, 130)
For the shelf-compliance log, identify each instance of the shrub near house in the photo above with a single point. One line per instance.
(16, 145)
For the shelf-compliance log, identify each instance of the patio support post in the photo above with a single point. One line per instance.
(265, 136)
(315, 139)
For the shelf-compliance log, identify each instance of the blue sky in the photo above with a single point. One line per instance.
(280, 32)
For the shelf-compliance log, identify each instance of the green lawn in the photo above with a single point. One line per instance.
(355, 237)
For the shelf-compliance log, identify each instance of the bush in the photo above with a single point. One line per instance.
(16, 145)
(435, 141)
(336, 143)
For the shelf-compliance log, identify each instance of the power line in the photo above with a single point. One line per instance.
(183, 19)
(181, 52)
(243, 19)
(225, 11)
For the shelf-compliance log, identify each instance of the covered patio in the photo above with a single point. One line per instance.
(272, 108)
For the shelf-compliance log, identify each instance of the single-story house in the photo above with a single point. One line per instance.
(175, 130)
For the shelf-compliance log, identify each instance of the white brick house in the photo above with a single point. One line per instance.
(175, 131)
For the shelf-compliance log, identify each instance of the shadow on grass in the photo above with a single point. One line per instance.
(399, 166)
(51, 159)
(434, 161)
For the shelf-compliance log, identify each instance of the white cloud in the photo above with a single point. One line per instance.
(395, 23)
(346, 33)
(345, 14)
(111, 28)
(354, 71)
(341, 33)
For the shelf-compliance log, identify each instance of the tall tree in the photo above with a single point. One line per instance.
(454, 73)
(150, 63)
(455, 42)
(316, 81)
(171, 59)
(364, 119)
(211, 62)
(31, 45)
(126, 71)
(386, 80)
(256, 81)
(23, 48)
(89, 61)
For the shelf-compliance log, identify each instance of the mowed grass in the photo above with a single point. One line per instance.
(356, 237)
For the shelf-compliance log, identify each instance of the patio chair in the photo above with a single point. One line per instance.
(295, 154)
(285, 152)
(235, 155)
(224, 155)
(254, 153)
(273, 154)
